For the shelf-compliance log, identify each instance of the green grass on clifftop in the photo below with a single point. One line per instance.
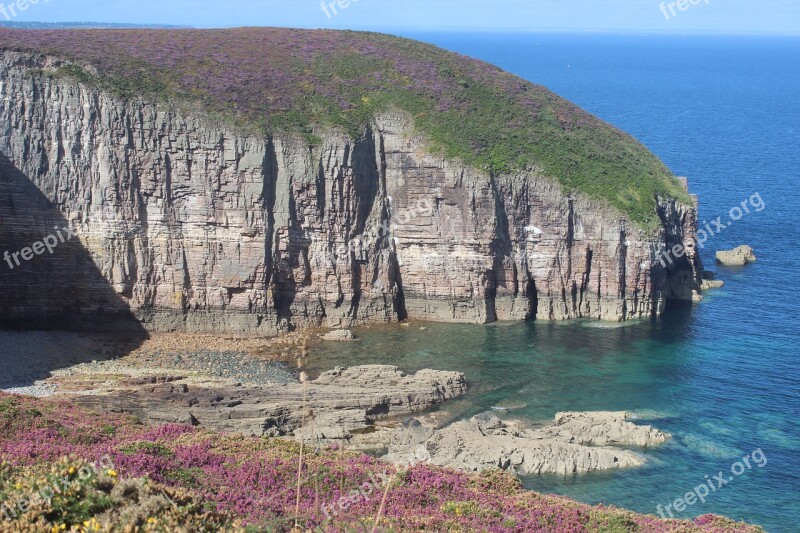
(280, 79)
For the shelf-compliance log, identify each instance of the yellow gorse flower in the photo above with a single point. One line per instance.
(91, 525)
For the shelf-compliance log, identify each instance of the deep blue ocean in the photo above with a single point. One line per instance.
(721, 376)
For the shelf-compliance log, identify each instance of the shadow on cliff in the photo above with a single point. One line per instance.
(53, 286)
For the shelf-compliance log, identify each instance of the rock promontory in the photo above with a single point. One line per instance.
(575, 442)
(306, 179)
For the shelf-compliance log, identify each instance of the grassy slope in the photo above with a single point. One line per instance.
(279, 79)
(221, 483)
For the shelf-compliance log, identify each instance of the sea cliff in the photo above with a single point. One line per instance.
(187, 222)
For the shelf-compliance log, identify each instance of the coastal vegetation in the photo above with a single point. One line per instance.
(281, 80)
(67, 468)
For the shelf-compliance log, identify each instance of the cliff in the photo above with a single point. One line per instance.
(185, 221)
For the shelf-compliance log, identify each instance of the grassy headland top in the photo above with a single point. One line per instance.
(282, 79)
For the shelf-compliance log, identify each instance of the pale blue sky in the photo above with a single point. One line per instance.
(707, 16)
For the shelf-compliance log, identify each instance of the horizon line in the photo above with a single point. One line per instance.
(448, 29)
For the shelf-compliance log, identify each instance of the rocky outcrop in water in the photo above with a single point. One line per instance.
(739, 256)
(709, 281)
(339, 335)
(187, 224)
(575, 442)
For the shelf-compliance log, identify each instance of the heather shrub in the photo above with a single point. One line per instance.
(146, 447)
(270, 80)
(181, 478)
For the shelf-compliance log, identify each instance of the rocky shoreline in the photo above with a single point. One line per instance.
(573, 443)
(244, 386)
(184, 478)
(331, 407)
(29, 358)
(384, 228)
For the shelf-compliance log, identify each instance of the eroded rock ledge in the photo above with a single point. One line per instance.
(338, 402)
(362, 408)
(575, 442)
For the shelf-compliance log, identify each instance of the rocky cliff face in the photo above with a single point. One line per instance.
(190, 225)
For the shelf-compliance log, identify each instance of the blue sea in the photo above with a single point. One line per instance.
(721, 376)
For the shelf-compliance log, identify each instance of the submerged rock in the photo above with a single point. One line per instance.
(339, 335)
(709, 281)
(739, 256)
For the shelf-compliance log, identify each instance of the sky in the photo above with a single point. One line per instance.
(627, 16)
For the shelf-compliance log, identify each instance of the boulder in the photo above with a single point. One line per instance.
(739, 256)
(708, 284)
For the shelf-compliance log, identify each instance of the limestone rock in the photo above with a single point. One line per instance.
(193, 225)
(576, 442)
(709, 281)
(330, 407)
(739, 256)
(599, 428)
(708, 284)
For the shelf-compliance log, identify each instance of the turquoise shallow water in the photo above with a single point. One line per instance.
(721, 376)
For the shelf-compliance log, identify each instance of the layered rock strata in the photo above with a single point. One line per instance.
(338, 402)
(185, 224)
(574, 443)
